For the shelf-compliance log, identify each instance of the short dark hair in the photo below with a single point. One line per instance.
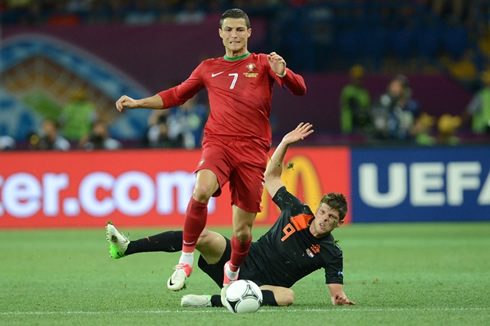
(234, 13)
(336, 201)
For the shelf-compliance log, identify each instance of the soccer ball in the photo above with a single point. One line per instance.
(243, 296)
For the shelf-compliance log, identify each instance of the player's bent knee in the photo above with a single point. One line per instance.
(285, 300)
(209, 238)
(204, 238)
(211, 245)
(202, 193)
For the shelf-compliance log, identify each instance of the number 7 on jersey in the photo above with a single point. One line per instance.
(235, 77)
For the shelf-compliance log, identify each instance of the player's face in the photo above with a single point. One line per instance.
(326, 219)
(235, 34)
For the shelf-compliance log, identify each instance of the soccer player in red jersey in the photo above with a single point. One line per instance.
(237, 136)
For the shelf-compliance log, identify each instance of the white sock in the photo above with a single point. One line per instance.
(187, 258)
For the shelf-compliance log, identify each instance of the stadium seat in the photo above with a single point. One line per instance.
(402, 41)
(374, 44)
(455, 41)
(428, 43)
(349, 43)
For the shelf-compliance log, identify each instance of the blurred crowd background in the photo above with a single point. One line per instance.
(378, 72)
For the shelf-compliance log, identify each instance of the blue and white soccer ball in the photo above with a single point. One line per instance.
(243, 296)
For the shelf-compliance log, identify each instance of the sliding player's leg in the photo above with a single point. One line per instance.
(277, 295)
(121, 246)
(272, 296)
(210, 244)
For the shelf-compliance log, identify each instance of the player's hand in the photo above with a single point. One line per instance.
(339, 300)
(278, 64)
(301, 132)
(125, 102)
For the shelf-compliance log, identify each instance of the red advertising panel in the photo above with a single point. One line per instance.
(141, 187)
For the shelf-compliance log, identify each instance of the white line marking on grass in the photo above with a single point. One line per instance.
(353, 309)
(269, 310)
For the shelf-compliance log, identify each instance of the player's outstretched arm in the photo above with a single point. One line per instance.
(338, 296)
(152, 102)
(272, 176)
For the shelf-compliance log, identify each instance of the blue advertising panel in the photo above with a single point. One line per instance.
(420, 184)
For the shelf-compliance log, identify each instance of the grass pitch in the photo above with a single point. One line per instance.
(398, 274)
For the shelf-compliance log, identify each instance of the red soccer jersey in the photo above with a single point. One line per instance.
(240, 93)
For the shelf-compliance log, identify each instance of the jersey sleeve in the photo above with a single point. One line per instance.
(285, 200)
(294, 82)
(334, 268)
(181, 93)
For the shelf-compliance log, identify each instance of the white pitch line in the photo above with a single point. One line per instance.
(209, 310)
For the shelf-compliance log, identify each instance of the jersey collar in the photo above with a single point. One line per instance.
(236, 58)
